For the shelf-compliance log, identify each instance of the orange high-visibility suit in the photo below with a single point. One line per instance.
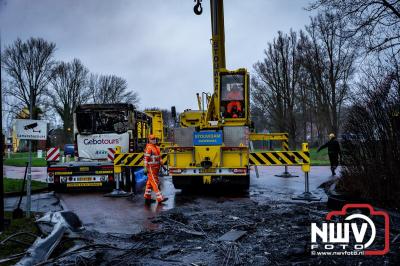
(234, 108)
(152, 162)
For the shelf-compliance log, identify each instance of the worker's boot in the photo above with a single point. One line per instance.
(163, 200)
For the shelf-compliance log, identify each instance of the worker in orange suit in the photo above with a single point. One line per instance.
(152, 165)
(234, 109)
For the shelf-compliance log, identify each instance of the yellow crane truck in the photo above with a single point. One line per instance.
(213, 144)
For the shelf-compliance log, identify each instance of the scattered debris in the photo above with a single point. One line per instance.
(273, 232)
(256, 233)
(191, 232)
(42, 248)
(232, 235)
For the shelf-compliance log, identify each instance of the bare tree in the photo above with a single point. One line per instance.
(259, 117)
(28, 65)
(276, 82)
(307, 117)
(69, 88)
(329, 60)
(375, 23)
(111, 89)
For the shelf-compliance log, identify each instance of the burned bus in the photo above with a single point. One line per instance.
(98, 129)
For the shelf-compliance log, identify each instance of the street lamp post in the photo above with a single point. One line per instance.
(2, 149)
(29, 176)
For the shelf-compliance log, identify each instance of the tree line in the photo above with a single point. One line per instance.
(35, 77)
(308, 80)
(340, 74)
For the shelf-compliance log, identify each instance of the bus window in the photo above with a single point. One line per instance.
(84, 123)
(111, 122)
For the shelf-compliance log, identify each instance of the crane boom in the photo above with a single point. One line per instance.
(218, 39)
(229, 103)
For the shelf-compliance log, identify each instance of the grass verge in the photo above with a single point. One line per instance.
(319, 158)
(15, 185)
(21, 162)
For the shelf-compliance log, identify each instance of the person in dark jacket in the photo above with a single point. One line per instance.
(333, 152)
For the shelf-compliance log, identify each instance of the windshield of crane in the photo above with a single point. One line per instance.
(102, 121)
(232, 96)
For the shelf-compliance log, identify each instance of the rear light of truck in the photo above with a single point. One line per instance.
(108, 167)
(56, 179)
(110, 178)
(240, 171)
(58, 169)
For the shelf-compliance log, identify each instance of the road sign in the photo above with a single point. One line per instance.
(31, 129)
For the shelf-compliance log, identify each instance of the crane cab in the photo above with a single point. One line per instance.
(233, 98)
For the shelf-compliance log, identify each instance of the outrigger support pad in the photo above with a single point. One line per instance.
(307, 195)
(286, 173)
(117, 192)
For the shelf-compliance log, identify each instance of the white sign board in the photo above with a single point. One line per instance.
(96, 146)
(31, 129)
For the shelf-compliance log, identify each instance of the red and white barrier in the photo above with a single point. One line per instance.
(53, 154)
(110, 154)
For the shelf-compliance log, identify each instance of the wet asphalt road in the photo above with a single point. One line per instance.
(130, 215)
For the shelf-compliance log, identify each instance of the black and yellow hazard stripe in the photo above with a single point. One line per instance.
(133, 159)
(128, 159)
(279, 158)
(285, 145)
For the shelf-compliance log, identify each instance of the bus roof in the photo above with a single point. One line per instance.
(105, 106)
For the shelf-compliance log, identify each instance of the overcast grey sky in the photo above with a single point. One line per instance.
(160, 46)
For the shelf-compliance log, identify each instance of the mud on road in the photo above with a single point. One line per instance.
(276, 233)
(187, 230)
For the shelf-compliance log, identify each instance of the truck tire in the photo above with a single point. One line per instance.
(185, 182)
(58, 188)
(244, 183)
